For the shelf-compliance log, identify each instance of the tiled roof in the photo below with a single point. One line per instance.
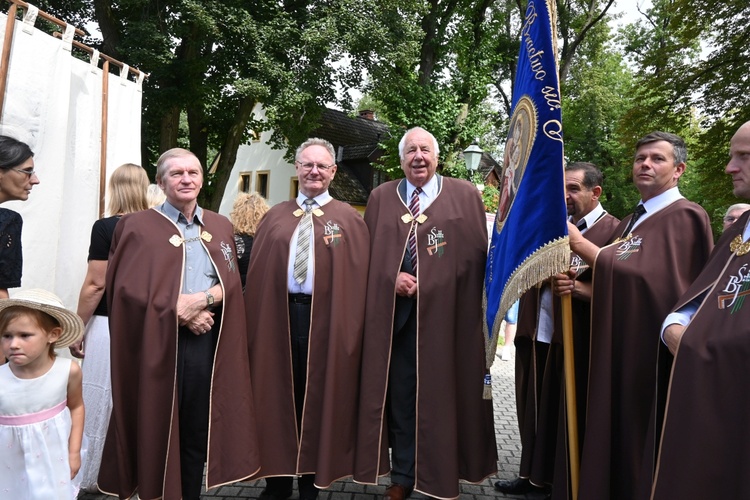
(356, 141)
(487, 164)
(346, 187)
(341, 129)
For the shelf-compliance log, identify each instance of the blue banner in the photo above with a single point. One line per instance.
(529, 240)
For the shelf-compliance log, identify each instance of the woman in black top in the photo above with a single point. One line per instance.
(127, 194)
(248, 209)
(17, 177)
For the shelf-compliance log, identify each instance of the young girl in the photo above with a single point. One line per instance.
(41, 406)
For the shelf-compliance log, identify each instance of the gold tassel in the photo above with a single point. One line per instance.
(551, 259)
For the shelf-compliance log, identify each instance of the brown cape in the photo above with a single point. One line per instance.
(144, 279)
(555, 442)
(325, 446)
(705, 444)
(539, 388)
(455, 430)
(636, 283)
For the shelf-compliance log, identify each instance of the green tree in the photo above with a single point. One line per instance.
(693, 60)
(596, 97)
(211, 62)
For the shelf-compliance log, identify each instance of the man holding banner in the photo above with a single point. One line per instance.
(423, 357)
(533, 190)
(658, 252)
(539, 347)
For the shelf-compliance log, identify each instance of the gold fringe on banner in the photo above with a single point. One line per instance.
(548, 260)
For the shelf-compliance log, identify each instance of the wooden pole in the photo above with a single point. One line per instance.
(5, 58)
(570, 393)
(45, 16)
(103, 153)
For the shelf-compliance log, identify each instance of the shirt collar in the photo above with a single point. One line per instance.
(320, 200)
(662, 201)
(174, 215)
(593, 216)
(429, 189)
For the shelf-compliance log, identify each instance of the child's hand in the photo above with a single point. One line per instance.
(75, 463)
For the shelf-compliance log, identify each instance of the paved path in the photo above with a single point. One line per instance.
(508, 450)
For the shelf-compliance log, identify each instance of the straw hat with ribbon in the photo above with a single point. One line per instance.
(48, 302)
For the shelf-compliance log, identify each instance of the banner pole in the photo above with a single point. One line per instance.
(570, 393)
(5, 61)
(103, 153)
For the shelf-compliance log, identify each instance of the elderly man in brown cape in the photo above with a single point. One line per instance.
(180, 379)
(539, 352)
(305, 301)
(423, 362)
(705, 439)
(659, 251)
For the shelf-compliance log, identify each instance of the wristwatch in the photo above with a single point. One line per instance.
(209, 299)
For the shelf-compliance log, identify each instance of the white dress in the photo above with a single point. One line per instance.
(35, 426)
(97, 397)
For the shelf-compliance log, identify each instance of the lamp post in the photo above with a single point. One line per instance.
(472, 157)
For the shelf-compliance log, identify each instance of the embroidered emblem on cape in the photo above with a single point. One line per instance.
(436, 242)
(332, 234)
(737, 288)
(177, 240)
(738, 247)
(226, 249)
(577, 264)
(628, 247)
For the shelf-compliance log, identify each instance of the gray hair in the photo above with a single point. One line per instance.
(738, 206)
(316, 141)
(170, 154)
(402, 142)
(679, 149)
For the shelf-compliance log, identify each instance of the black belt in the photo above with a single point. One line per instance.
(300, 298)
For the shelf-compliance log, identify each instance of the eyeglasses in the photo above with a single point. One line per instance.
(25, 171)
(307, 166)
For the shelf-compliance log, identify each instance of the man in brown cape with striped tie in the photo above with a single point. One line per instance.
(423, 362)
(305, 301)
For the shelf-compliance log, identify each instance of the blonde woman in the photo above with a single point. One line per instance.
(127, 191)
(155, 195)
(248, 210)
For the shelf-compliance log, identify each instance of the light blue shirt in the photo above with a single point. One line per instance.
(199, 273)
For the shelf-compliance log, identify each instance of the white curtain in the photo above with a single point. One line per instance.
(53, 103)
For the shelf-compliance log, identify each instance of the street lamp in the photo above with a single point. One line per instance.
(472, 157)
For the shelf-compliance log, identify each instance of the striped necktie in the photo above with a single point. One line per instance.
(414, 209)
(303, 243)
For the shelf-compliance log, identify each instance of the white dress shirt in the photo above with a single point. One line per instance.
(307, 286)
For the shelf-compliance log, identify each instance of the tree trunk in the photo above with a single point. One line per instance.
(198, 132)
(228, 155)
(170, 125)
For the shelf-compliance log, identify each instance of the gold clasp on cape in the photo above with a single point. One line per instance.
(408, 217)
(738, 247)
(177, 240)
(316, 212)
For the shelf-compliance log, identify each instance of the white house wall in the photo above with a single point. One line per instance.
(259, 156)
